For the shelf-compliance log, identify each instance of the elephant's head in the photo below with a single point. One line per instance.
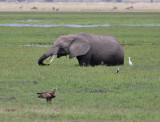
(72, 45)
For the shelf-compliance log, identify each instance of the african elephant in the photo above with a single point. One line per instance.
(88, 49)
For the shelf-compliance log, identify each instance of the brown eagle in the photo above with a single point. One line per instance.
(48, 95)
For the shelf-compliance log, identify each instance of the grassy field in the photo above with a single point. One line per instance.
(84, 93)
(81, 18)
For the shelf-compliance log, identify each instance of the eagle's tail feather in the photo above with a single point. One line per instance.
(40, 96)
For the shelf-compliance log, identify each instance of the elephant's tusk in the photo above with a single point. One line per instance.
(52, 58)
(49, 57)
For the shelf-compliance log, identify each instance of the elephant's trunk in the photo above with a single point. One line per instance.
(41, 59)
(52, 52)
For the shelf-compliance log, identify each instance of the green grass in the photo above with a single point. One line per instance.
(84, 18)
(85, 93)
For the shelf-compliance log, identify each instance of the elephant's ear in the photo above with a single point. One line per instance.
(80, 46)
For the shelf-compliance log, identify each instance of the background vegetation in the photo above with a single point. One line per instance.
(84, 93)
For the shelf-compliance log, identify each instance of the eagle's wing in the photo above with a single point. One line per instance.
(45, 95)
(53, 96)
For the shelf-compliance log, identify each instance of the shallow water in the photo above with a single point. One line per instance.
(50, 45)
(32, 45)
(77, 26)
(30, 20)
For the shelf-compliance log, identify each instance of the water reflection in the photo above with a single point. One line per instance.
(77, 26)
(31, 45)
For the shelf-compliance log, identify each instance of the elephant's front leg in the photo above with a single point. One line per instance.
(83, 60)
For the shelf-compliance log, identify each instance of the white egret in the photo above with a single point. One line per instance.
(130, 63)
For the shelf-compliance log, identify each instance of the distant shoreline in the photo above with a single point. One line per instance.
(78, 7)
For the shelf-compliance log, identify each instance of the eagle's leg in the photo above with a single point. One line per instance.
(48, 100)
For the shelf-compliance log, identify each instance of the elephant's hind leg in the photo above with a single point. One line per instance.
(119, 62)
(83, 60)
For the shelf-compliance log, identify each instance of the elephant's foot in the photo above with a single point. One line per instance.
(83, 60)
(84, 64)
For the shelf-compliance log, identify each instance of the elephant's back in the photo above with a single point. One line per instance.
(109, 41)
(108, 44)
(108, 38)
(106, 41)
(99, 38)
